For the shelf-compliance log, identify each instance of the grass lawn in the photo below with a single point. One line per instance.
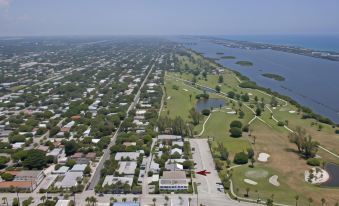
(218, 128)
(261, 174)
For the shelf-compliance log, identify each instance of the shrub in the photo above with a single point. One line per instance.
(337, 131)
(313, 162)
(281, 124)
(175, 87)
(235, 132)
(236, 123)
(246, 128)
(206, 112)
(7, 176)
(240, 158)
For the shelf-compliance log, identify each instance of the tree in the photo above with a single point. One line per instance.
(195, 116)
(93, 200)
(236, 123)
(206, 112)
(35, 159)
(310, 200)
(218, 88)
(71, 147)
(111, 200)
(252, 162)
(269, 202)
(223, 151)
(296, 200)
(220, 79)
(166, 198)
(4, 160)
(245, 97)
(258, 111)
(7, 176)
(240, 158)
(323, 201)
(247, 191)
(250, 153)
(154, 200)
(235, 132)
(305, 145)
(15, 202)
(124, 199)
(43, 198)
(87, 170)
(231, 94)
(135, 199)
(4, 200)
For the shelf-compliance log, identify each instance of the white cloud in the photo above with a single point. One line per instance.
(5, 3)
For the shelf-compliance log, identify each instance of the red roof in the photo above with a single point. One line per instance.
(20, 184)
(76, 117)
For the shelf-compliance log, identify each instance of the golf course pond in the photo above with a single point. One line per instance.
(209, 103)
(333, 171)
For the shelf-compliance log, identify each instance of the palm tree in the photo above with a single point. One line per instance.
(296, 200)
(93, 200)
(135, 199)
(154, 200)
(43, 198)
(111, 200)
(124, 199)
(247, 191)
(323, 201)
(310, 200)
(4, 199)
(88, 200)
(189, 201)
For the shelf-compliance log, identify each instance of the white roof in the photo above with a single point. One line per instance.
(127, 167)
(169, 137)
(176, 150)
(78, 168)
(131, 155)
(110, 179)
(70, 179)
(63, 203)
(61, 170)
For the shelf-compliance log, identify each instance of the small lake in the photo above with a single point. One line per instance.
(333, 171)
(208, 103)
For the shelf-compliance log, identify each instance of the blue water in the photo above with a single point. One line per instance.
(317, 42)
(313, 82)
(208, 104)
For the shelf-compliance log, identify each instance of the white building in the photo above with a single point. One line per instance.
(173, 180)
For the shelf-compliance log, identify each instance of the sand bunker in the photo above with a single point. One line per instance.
(169, 97)
(292, 111)
(231, 112)
(274, 180)
(316, 175)
(263, 157)
(185, 90)
(251, 182)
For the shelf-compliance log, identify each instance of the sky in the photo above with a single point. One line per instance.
(168, 17)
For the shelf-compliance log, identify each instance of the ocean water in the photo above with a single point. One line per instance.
(317, 42)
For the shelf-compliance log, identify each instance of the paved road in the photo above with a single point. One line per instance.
(96, 175)
(208, 193)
